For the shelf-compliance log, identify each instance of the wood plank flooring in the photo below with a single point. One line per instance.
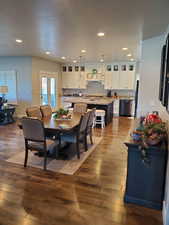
(93, 196)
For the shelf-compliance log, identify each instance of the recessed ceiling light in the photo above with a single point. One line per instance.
(48, 53)
(63, 57)
(74, 61)
(124, 49)
(100, 34)
(101, 60)
(132, 60)
(83, 50)
(19, 41)
(129, 55)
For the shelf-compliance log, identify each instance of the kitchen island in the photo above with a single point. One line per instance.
(103, 103)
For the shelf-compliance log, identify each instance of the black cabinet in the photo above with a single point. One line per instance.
(108, 110)
(145, 182)
(6, 115)
(125, 108)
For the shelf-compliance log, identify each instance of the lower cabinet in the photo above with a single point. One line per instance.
(145, 181)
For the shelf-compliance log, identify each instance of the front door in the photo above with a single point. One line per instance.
(48, 90)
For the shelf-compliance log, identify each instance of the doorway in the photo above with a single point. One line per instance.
(48, 93)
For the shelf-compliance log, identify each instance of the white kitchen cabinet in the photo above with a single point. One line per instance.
(123, 80)
(108, 80)
(127, 77)
(74, 80)
(131, 78)
(116, 107)
(64, 79)
(69, 80)
(82, 80)
(111, 80)
(115, 80)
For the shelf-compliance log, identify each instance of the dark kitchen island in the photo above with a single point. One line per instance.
(104, 103)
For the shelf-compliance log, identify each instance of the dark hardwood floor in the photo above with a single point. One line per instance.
(93, 196)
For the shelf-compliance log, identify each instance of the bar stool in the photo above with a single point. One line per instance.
(101, 120)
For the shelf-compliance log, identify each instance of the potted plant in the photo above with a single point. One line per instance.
(62, 114)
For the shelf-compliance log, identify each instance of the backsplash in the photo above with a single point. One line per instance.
(97, 88)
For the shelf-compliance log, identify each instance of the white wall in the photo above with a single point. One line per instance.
(23, 68)
(150, 76)
(148, 93)
(28, 82)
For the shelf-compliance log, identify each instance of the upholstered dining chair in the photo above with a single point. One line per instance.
(34, 136)
(34, 111)
(46, 110)
(80, 108)
(90, 126)
(77, 135)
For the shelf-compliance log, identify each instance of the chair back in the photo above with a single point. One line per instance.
(46, 110)
(80, 108)
(33, 129)
(34, 111)
(83, 122)
(91, 118)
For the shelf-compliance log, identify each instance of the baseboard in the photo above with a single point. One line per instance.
(142, 202)
(164, 213)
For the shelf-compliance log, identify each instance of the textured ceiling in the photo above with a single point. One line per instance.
(64, 27)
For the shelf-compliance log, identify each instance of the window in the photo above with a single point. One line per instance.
(64, 68)
(70, 69)
(8, 78)
(123, 67)
(108, 67)
(116, 68)
(131, 67)
(76, 68)
(82, 68)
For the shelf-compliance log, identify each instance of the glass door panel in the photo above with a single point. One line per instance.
(48, 90)
(44, 91)
(53, 92)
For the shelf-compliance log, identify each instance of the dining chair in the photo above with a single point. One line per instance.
(46, 110)
(77, 135)
(99, 118)
(90, 126)
(80, 108)
(42, 112)
(34, 111)
(34, 135)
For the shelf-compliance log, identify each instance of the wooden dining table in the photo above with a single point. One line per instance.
(60, 125)
(55, 127)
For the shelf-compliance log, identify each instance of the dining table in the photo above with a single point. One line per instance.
(55, 127)
(61, 125)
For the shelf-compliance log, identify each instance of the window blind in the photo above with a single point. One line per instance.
(8, 78)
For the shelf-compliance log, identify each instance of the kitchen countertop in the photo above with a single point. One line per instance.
(90, 100)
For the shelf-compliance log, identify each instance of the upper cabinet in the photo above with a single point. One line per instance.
(121, 76)
(114, 76)
(73, 77)
(127, 76)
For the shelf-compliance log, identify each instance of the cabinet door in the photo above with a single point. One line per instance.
(131, 76)
(82, 80)
(123, 84)
(73, 80)
(108, 80)
(70, 79)
(64, 80)
(127, 77)
(115, 80)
